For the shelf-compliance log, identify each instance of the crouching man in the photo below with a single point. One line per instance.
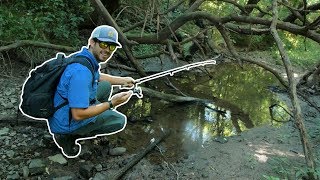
(90, 110)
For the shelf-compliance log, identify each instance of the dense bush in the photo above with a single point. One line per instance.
(54, 21)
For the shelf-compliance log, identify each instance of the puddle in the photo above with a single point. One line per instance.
(240, 101)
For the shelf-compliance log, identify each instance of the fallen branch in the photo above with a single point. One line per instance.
(22, 43)
(309, 157)
(138, 157)
(171, 97)
(179, 99)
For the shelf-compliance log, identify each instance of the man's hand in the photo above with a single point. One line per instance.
(121, 98)
(128, 82)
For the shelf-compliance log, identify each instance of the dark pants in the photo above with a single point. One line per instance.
(110, 121)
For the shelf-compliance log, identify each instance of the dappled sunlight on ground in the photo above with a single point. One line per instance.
(264, 151)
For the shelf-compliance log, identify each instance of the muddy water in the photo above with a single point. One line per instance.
(239, 100)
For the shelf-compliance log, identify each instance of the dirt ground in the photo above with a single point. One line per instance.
(27, 150)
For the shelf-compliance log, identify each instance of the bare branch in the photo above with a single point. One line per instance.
(293, 92)
(21, 43)
(295, 12)
(247, 29)
(181, 20)
(166, 12)
(311, 8)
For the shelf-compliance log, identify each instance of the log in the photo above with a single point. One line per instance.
(138, 157)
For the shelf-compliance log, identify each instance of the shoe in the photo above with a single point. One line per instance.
(67, 143)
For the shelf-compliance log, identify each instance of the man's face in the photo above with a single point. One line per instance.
(102, 51)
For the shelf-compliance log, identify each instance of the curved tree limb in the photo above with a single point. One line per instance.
(268, 68)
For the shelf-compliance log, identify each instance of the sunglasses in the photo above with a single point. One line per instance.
(105, 45)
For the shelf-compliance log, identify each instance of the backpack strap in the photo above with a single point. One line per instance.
(83, 60)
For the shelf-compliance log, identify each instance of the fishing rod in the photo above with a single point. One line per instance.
(138, 91)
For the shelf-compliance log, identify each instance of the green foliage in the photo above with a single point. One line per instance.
(302, 52)
(53, 21)
(288, 169)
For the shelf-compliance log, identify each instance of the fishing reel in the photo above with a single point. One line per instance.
(137, 91)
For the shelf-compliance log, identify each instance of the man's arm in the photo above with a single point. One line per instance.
(94, 110)
(116, 80)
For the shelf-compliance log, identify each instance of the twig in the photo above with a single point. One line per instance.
(169, 83)
(120, 12)
(271, 113)
(144, 23)
(138, 157)
(160, 14)
(168, 163)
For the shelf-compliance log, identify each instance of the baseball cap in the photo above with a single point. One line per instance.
(106, 33)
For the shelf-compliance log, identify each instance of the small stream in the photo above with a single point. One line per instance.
(240, 101)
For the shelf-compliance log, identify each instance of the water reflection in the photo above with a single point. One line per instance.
(240, 101)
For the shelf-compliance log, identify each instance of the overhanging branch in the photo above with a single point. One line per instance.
(181, 20)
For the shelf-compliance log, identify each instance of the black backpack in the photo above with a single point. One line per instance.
(40, 87)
